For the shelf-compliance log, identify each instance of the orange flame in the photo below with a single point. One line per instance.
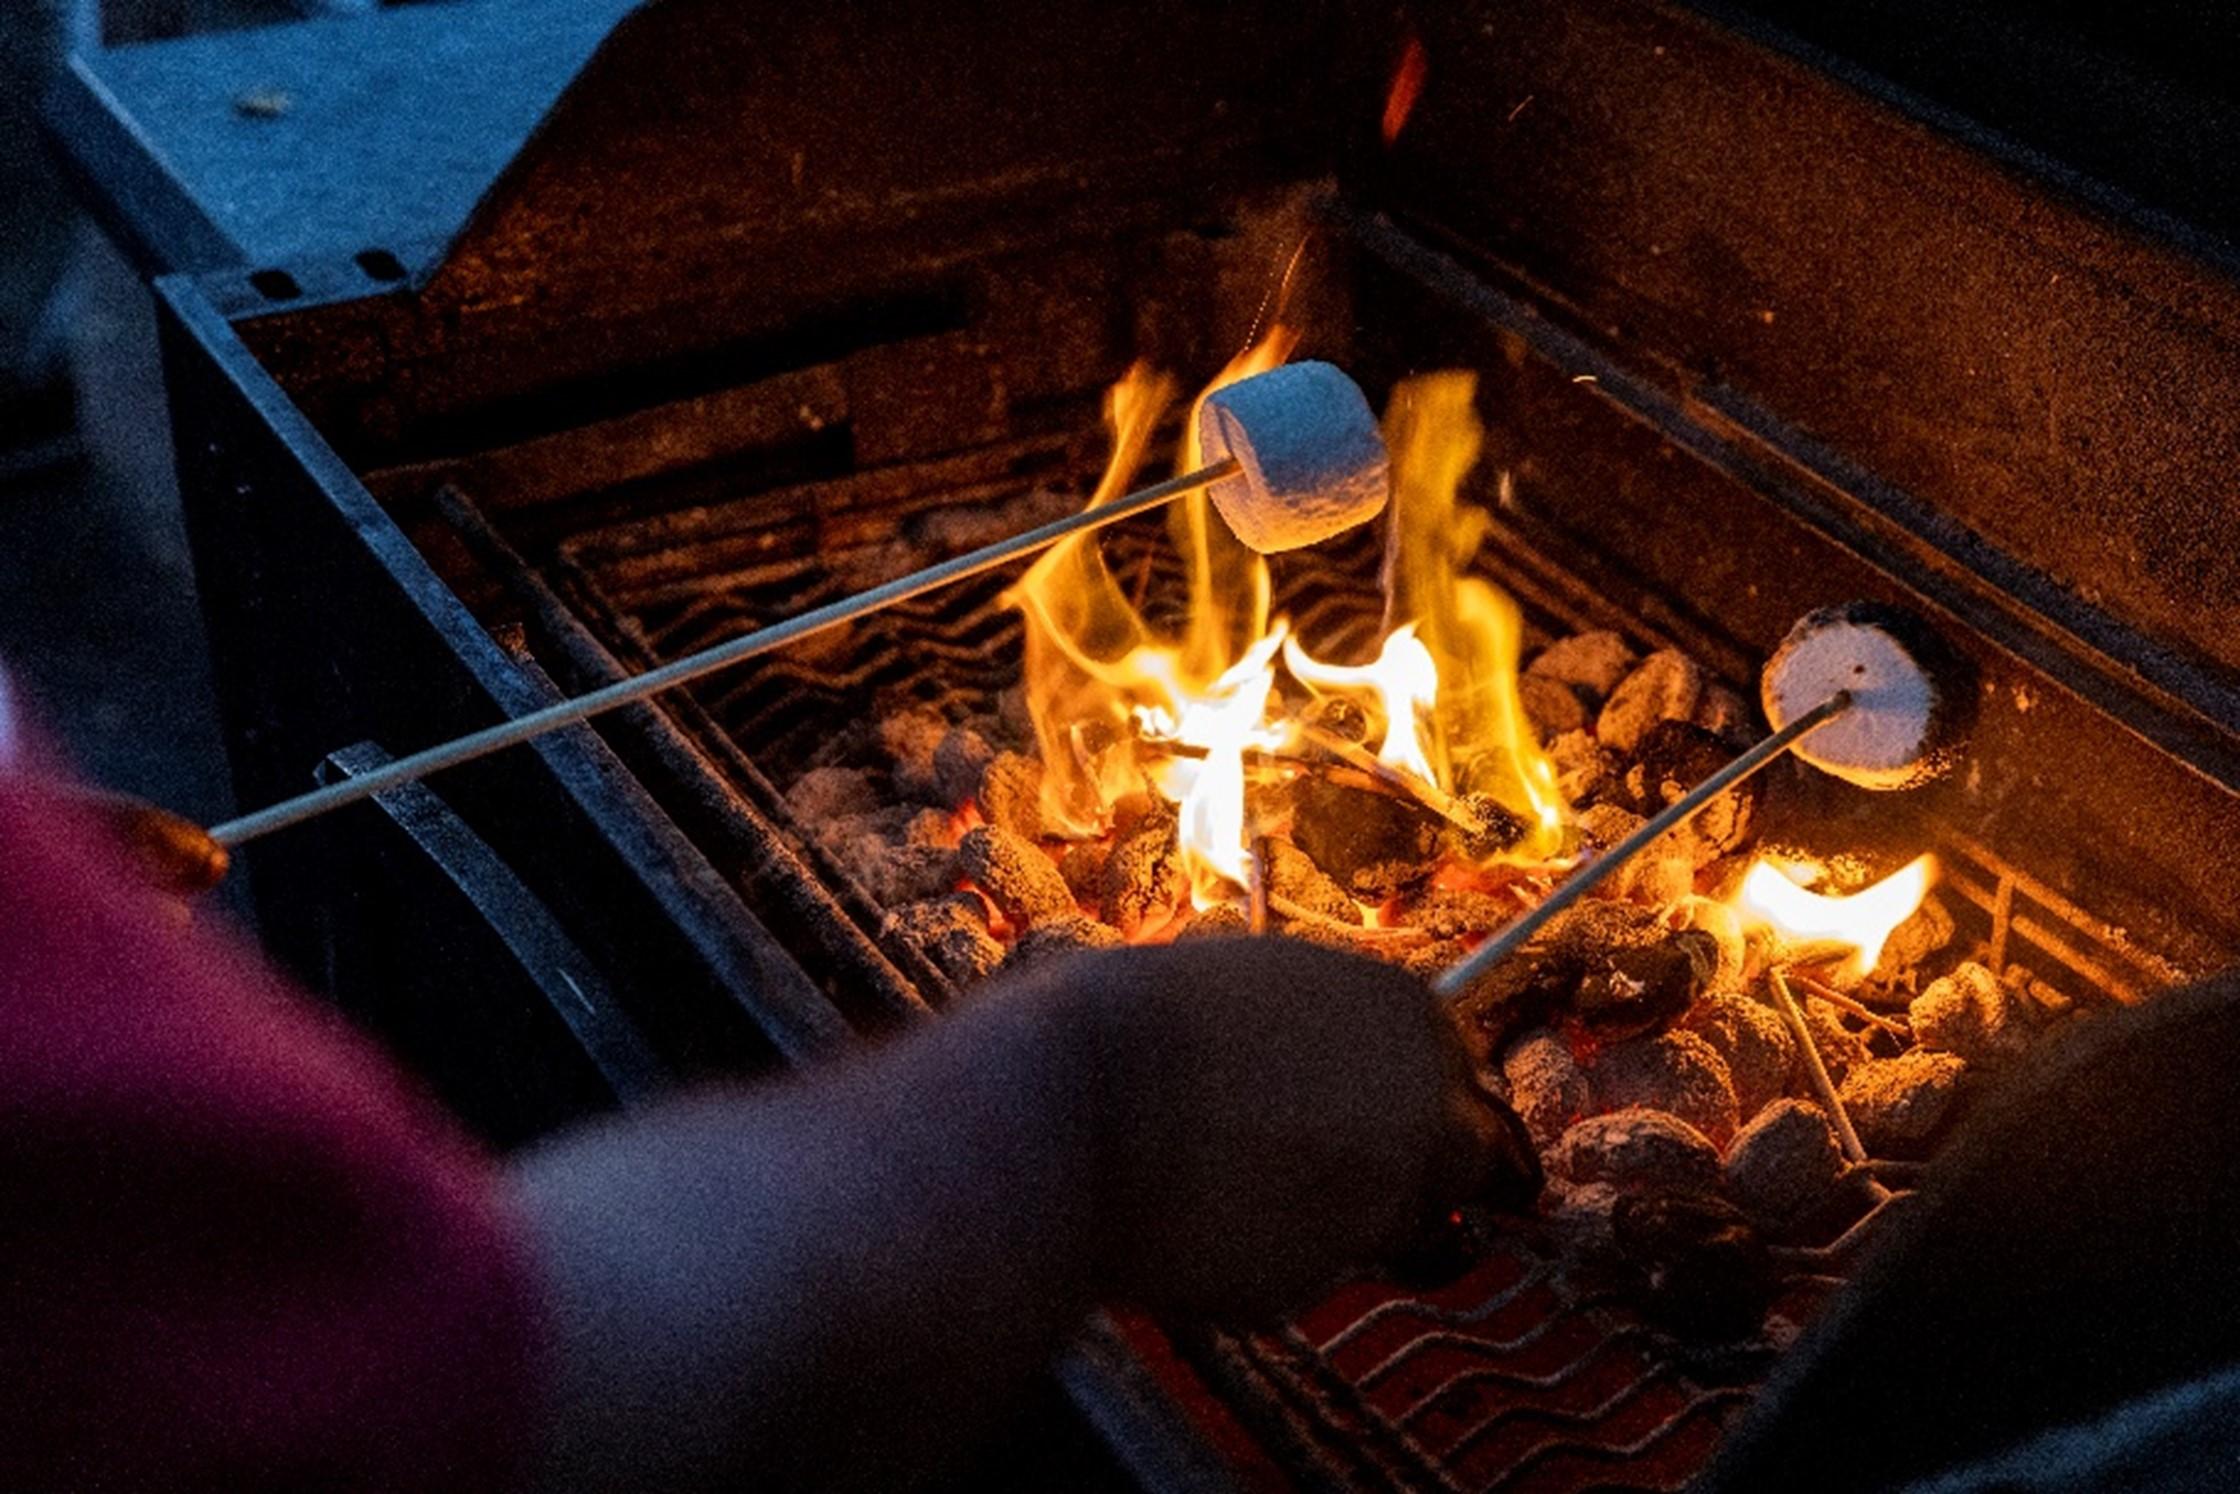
(1772, 901)
(1101, 681)
(1480, 739)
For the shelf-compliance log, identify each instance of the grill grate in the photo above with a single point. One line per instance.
(1518, 1374)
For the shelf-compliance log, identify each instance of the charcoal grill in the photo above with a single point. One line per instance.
(753, 321)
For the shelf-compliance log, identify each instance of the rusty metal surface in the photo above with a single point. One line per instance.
(2048, 369)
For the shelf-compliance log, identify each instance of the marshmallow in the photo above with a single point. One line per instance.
(1912, 696)
(1314, 462)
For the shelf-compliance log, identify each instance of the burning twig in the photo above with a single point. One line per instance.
(1786, 1002)
(1836, 998)
(1361, 760)
(1256, 908)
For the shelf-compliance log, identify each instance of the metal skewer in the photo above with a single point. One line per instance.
(1465, 973)
(506, 734)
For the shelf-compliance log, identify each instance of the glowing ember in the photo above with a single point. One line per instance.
(1407, 86)
(1770, 900)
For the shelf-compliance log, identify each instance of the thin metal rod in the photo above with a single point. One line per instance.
(627, 692)
(1465, 973)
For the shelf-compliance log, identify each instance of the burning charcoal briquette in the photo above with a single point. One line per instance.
(1552, 706)
(1594, 926)
(1630, 990)
(952, 932)
(1674, 757)
(1753, 1042)
(1545, 973)
(1427, 962)
(1140, 810)
(823, 795)
(1015, 875)
(1724, 925)
(929, 827)
(1578, 1215)
(1972, 1013)
(1898, 1104)
(1585, 770)
(889, 853)
(1222, 921)
(1676, 1072)
(1069, 934)
(1637, 1149)
(1666, 686)
(1082, 865)
(1592, 663)
(959, 764)
(1499, 827)
(909, 738)
(1011, 794)
(1705, 1271)
(1143, 875)
(1372, 843)
(1663, 873)
(1454, 912)
(1926, 930)
(1782, 1165)
(1840, 1049)
(1293, 877)
(1547, 1088)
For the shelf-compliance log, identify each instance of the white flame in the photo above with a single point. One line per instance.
(1405, 682)
(1225, 719)
(1770, 899)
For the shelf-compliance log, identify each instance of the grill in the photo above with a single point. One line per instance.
(604, 431)
(1519, 1375)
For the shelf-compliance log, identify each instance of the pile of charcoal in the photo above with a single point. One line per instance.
(1636, 1036)
(937, 815)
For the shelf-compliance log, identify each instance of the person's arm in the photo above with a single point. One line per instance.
(841, 1280)
(235, 1252)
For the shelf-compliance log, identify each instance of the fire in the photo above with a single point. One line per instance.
(1770, 900)
(1480, 739)
(1120, 708)
(1227, 719)
(1404, 684)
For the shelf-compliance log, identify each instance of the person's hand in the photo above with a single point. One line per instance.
(1268, 1115)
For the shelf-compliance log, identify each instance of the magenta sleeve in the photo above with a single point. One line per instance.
(236, 1250)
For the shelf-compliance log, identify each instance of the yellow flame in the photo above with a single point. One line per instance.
(1770, 900)
(1479, 739)
(1099, 679)
(1081, 632)
(1225, 719)
(1403, 682)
